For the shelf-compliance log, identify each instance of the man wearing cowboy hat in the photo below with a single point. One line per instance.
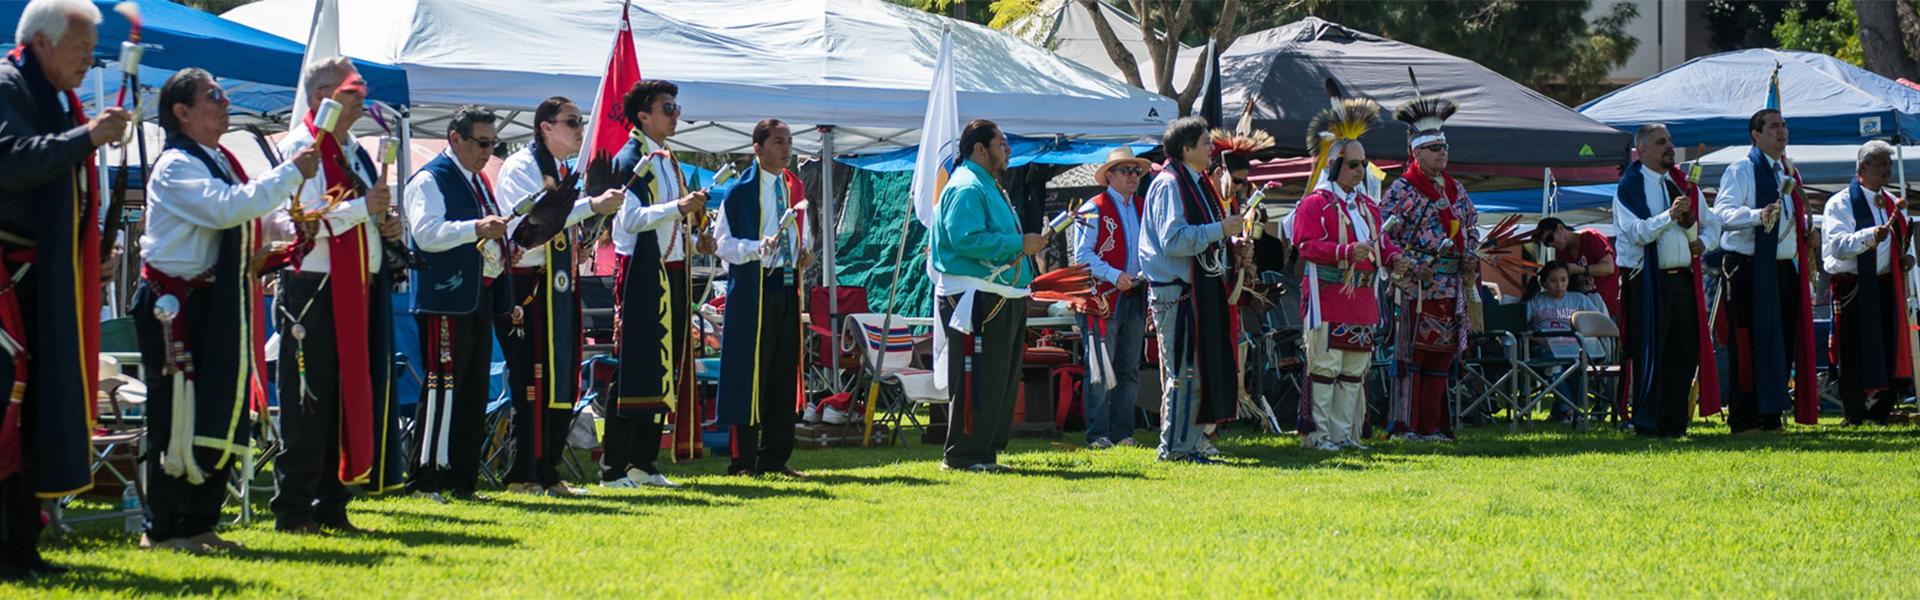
(1110, 249)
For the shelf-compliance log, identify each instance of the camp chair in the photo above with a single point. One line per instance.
(596, 295)
(1278, 341)
(118, 443)
(886, 353)
(1542, 370)
(497, 448)
(1604, 373)
(1489, 369)
(831, 370)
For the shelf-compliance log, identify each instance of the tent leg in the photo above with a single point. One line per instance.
(829, 230)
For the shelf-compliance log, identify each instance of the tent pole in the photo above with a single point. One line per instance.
(405, 164)
(829, 231)
(99, 75)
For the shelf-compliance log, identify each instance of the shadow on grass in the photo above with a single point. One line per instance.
(362, 558)
(441, 537)
(1073, 474)
(394, 513)
(116, 583)
(758, 492)
(849, 479)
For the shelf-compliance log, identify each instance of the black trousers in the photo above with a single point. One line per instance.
(1676, 350)
(633, 441)
(1861, 338)
(539, 430)
(19, 505)
(451, 429)
(1743, 405)
(176, 508)
(306, 475)
(982, 415)
(766, 447)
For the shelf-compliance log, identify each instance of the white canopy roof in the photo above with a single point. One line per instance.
(1066, 27)
(862, 66)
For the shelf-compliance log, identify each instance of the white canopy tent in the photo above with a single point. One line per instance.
(856, 71)
(1067, 28)
(859, 67)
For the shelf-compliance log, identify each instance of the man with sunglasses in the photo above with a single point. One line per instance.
(333, 316)
(460, 240)
(200, 245)
(1437, 229)
(542, 343)
(1111, 250)
(650, 237)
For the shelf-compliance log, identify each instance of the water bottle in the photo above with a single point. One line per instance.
(135, 521)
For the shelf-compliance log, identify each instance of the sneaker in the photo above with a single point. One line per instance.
(566, 490)
(1208, 449)
(1353, 444)
(1127, 443)
(1202, 459)
(973, 468)
(175, 544)
(623, 483)
(531, 489)
(1100, 444)
(434, 496)
(997, 468)
(651, 479)
(1324, 445)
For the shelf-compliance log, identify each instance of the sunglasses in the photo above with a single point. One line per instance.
(485, 143)
(575, 122)
(216, 94)
(670, 108)
(1439, 147)
(1129, 171)
(1355, 164)
(1242, 181)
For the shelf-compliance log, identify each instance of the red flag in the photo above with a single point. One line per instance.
(608, 131)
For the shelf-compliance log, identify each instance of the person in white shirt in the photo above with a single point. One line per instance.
(335, 332)
(760, 360)
(542, 329)
(1110, 248)
(650, 238)
(460, 240)
(1664, 229)
(1864, 247)
(202, 238)
(1761, 209)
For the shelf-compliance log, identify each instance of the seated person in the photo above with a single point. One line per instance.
(1550, 309)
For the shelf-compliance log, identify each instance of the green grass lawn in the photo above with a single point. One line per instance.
(1816, 512)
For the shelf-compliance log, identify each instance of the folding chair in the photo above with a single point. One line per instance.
(117, 446)
(1542, 371)
(496, 450)
(1279, 344)
(829, 370)
(886, 357)
(1604, 372)
(1489, 369)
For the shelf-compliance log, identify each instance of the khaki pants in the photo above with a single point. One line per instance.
(1339, 390)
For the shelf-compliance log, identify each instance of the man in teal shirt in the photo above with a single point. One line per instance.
(984, 270)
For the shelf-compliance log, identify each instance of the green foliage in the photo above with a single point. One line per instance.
(1005, 12)
(1837, 35)
(1815, 513)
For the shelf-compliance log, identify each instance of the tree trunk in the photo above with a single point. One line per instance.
(1223, 35)
(1129, 67)
(1882, 43)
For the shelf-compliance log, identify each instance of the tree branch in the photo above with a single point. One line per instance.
(1143, 10)
(1129, 67)
(1223, 36)
(1169, 52)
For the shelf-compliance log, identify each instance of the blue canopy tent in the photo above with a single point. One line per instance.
(1527, 200)
(1707, 100)
(1024, 150)
(260, 68)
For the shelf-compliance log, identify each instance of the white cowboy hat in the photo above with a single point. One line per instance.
(1120, 156)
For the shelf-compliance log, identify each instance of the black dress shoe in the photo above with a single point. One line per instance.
(39, 566)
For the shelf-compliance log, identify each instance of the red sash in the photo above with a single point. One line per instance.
(347, 253)
(1709, 373)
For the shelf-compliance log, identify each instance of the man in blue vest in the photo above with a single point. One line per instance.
(459, 237)
(760, 360)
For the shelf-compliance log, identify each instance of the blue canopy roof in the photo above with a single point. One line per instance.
(1527, 200)
(1046, 151)
(1707, 100)
(178, 36)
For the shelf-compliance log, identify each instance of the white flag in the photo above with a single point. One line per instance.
(939, 143)
(323, 42)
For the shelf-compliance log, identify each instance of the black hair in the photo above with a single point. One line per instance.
(1758, 121)
(764, 129)
(640, 98)
(978, 132)
(1180, 134)
(179, 89)
(465, 117)
(543, 156)
(1547, 226)
(1539, 282)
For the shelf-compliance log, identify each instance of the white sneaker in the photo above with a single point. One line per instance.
(1101, 444)
(650, 479)
(1413, 438)
(1324, 445)
(1354, 444)
(623, 483)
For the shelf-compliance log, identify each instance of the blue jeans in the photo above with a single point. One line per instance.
(1110, 411)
